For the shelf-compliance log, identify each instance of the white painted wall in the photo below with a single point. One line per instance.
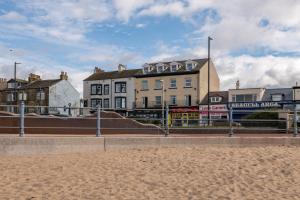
(61, 94)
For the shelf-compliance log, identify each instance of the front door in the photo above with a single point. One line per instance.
(185, 119)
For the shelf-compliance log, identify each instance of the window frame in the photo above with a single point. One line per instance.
(106, 100)
(147, 84)
(121, 83)
(158, 103)
(97, 100)
(125, 106)
(106, 86)
(97, 89)
(173, 79)
(171, 100)
(185, 83)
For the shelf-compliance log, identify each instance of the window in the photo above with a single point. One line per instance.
(145, 102)
(189, 66)
(188, 82)
(146, 70)
(22, 96)
(215, 99)
(120, 102)
(145, 85)
(106, 90)
(11, 97)
(85, 103)
(96, 89)
(173, 68)
(187, 100)
(277, 97)
(173, 83)
(158, 84)
(96, 102)
(40, 95)
(159, 68)
(158, 100)
(173, 100)
(244, 98)
(120, 87)
(106, 103)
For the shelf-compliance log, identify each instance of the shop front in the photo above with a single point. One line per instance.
(184, 117)
(218, 113)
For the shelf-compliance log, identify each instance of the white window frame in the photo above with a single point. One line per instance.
(187, 66)
(215, 99)
(173, 84)
(173, 100)
(145, 85)
(23, 96)
(158, 100)
(40, 95)
(158, 84)
(186, 81)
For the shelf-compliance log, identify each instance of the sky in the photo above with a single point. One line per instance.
(254, 41)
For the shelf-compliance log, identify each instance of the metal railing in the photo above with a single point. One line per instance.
(167, 121)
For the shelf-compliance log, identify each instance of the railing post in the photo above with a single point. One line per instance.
(230, 121)
(98, 133)
(295, 121)
(22, 116)
(167, 120)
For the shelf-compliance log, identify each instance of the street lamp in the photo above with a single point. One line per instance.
(208, 85)
(163, 102)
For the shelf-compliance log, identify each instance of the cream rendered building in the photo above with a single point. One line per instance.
(185, 83)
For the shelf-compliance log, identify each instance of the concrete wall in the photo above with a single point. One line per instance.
(58, 145)
(61, 94)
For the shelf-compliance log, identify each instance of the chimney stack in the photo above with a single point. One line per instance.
(63, 76)
(3, 83)
(33, 77)
(98, 70)
(121, 67)
(237, 84)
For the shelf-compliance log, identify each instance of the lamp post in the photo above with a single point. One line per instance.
(163, 102)
(208, 84)
(15, 79)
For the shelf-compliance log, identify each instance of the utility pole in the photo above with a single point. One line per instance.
(208, 84)
(15, 84)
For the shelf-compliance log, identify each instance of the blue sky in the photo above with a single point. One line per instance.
(254, 41)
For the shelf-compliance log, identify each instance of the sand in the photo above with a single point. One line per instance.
(155, 173)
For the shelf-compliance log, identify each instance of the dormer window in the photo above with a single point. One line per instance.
(159, 68)
(189, 66)
(215, 99)
(174, 68)
(277, 97)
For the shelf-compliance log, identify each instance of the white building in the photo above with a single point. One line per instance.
(111, 90)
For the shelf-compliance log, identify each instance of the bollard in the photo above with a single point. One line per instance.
(167, 121)
(22, 116)
(230, 122)
(98, 133)
(295, 122)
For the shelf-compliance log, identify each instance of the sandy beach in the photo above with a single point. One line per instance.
(155, 173)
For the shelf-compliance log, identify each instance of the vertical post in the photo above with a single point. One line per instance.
(230, 121)
(208, 81)
(295, 121)
(287, 123)
(167, 120)
(22, 115)
(98, 133)
(162, 103)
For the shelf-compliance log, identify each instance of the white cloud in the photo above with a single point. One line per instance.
(125, 9)
(140, 25)
(12, 16)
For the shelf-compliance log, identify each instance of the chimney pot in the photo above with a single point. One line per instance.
(63, 75)
(237, 84)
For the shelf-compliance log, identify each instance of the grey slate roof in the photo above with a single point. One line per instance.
(287, 94)
(40, 84)
(222, 94)
(167, 71)
(113, 75)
